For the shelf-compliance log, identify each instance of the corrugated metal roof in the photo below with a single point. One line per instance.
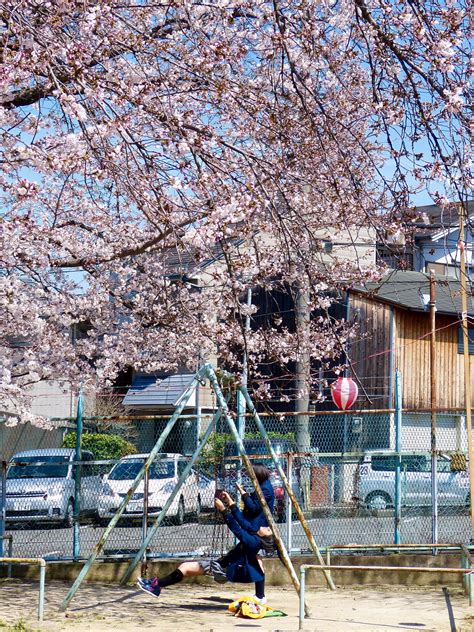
(406, 288)
(150, 391)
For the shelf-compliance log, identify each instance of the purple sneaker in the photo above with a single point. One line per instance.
(150, 586)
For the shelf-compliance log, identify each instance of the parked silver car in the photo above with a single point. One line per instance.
(163, 476)
(40, 486)
(375, 481)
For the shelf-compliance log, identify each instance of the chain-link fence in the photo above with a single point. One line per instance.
(346, 481)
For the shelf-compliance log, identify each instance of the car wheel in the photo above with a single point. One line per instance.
(378, 500)
(69, 515)
(180, 514)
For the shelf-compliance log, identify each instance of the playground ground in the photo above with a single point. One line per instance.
(204, 608)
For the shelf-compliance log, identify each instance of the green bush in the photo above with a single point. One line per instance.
(213, 451)
(102, 446)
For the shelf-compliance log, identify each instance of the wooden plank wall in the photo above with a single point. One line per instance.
(413, 360)
(371, 358)
(369, 352)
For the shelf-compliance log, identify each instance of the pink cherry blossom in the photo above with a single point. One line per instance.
(149, 148)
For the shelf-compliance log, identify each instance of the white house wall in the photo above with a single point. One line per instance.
(53, 399)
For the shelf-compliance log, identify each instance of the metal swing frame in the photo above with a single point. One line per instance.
(205, 372)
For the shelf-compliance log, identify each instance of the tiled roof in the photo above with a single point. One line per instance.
(408, 289)
(148, 391)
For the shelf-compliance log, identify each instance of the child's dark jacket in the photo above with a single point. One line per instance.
(253, 509)
(241, 562)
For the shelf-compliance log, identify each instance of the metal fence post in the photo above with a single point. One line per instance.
(469, 583)
(434, 456)
(289, 507)
(41, 590)
(302, 588)
(146, 479)
(466, 562)
(3, 505)
(76, 537)
(398, 447)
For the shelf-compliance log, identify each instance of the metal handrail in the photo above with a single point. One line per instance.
(467, 561)
(352, 567)
(397, 548)
(9, 537)
(34, 561)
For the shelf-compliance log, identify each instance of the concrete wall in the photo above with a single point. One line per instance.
(27, 437)
(276, 575)
(53, 399)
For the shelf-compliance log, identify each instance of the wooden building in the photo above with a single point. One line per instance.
(393, 332)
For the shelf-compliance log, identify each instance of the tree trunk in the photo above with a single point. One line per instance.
(303, 367)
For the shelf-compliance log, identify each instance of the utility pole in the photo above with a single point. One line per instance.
(467, 367)
(434, 456)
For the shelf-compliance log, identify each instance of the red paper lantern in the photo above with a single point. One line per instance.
(344, 392)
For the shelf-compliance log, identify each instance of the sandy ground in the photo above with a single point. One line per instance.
(204, 608)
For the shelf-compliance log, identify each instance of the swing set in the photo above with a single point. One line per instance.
(222, 412)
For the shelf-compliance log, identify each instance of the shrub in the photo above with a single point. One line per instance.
(213, 451)
(102, 446)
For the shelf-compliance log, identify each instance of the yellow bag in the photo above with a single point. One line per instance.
(248, 607)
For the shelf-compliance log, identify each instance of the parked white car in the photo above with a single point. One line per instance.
(40, 486)
(163, 476)
(375, 482)
(207, 491)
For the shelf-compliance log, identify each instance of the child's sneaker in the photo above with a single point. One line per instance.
(261, 600)
(150, 586)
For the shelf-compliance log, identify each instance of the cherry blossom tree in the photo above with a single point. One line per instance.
(152, 147)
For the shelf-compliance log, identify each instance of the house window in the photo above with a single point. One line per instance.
(446, 269)
(470, 333)
(437, 268)
(79, 331)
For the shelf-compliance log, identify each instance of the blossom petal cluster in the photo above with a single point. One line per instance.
(158, 159)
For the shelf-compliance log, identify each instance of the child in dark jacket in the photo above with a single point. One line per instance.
(241, 564)
(253, 511)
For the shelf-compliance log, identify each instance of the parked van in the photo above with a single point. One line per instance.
(375, 481)
(40, 486)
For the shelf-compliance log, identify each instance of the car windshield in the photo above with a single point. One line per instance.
(128, 470)
(26, 467)
(407, 463)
